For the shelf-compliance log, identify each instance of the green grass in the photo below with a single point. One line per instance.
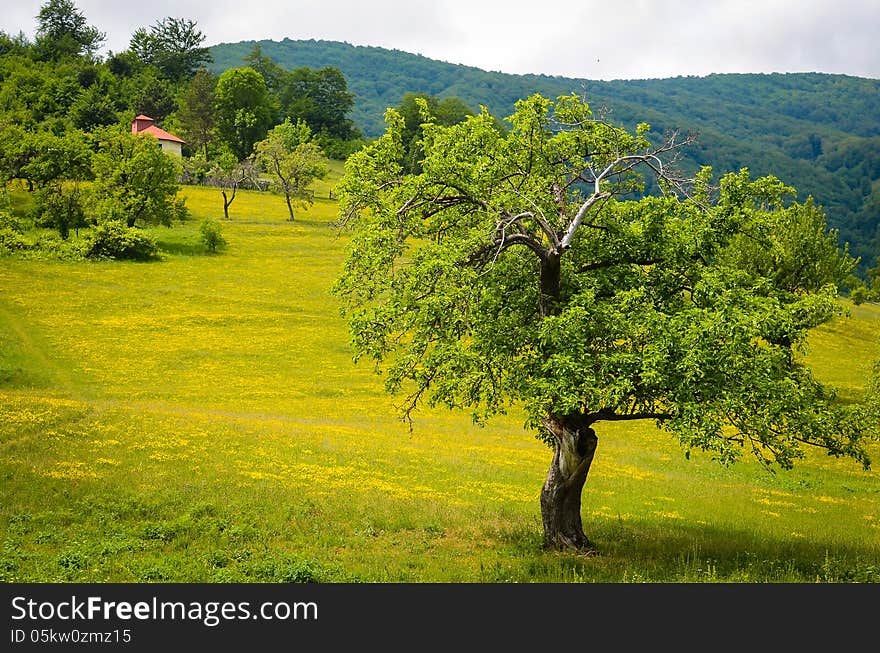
(200, 419)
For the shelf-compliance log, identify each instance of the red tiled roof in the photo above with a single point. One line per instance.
(161, 134)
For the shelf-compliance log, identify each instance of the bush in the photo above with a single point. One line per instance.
(211, 235)
(11, 241)
(116, 241)
(8, 221)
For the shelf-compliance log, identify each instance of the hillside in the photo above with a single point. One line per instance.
(199, 419)
(817, 132)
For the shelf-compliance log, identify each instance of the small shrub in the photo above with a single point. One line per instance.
(301, 571)
(8, 221)
(114, 240)
(212, 236)
(11, 241)
(859, 295)
(288, 570)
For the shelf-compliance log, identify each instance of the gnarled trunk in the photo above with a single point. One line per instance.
(226, 202)
(573, 451)
(551, 280)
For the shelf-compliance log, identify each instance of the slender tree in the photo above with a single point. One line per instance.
(292, 161)
(228, 174)
(520, 270)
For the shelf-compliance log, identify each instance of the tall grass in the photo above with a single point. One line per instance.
(200, 419)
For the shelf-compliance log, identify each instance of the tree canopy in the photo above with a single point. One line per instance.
(520, 269)
(413, 107)
(173, 45)
(243, 109)
(318, 97)
(62, 29)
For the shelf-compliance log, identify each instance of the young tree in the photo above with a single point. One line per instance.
(135, 181)
(58, 165)
(60, 206)
(18, 148)
(293, 162)
(212, 235)
(228, 174)
(513, 270)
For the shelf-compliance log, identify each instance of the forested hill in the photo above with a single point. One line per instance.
(817, 132)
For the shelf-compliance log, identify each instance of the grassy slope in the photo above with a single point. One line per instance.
(199, 419)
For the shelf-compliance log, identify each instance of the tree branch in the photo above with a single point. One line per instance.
(608, 415)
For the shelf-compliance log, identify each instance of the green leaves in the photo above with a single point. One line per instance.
(292, 161)
(515, 268)
(135, 181)
(244, 109)
(173, 45)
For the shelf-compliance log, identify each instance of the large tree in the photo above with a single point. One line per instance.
(320, 98)
(173, 45)
(243, 109)
(62, 30)
(525, 269)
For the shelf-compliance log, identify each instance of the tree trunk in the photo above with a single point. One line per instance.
(551, 283)
(226, 203)
(573, 451)
(289, 206)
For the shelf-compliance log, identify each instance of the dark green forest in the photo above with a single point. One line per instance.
(817, 132)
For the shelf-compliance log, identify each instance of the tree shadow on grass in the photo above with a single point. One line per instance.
(178, 248)
(644, 551)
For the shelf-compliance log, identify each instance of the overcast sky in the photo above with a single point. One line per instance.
(608, 39)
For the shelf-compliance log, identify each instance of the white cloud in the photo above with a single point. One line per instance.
(589, 39)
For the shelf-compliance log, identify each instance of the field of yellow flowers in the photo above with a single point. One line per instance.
(199, 419)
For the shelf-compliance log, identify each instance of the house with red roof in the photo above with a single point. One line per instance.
(167, 142)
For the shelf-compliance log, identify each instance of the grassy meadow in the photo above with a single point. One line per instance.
(199, 419)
